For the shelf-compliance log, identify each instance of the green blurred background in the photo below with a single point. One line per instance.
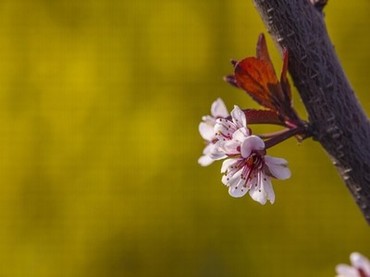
(100, 103)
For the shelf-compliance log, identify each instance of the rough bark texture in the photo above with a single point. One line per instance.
(338, 121)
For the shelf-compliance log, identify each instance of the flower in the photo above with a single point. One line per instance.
(360, 267)
(206, 130)
(230, 133)
(249, 169)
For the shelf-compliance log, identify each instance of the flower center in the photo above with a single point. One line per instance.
(250, 165)
(254, 161)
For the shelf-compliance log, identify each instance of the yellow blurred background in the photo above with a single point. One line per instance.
(100, 103)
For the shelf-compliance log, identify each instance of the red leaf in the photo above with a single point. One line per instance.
(262, 51)
(256, 75)
(259, 80)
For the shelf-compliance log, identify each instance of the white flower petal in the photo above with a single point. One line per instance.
(231, 147)
(238, 191)
(219, 155)
(208, 149)
(208, 156)
(206, 131)
(235, 179)
(360, 264)
(278, 167)
(253, 180)
(205, 160)
(216, 151)
(238, 117)
(258, 195)
(218, 108)
(277, 161)
(263, 191)
(232, 179)
(251, 143)
(360, 261)
(208, 119)
(227, 164)
(225, 180)
(268, 189)
(241, 134)
(346, 271)
(224, 128)
(211, 153)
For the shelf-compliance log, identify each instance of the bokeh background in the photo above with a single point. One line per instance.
(100, 103)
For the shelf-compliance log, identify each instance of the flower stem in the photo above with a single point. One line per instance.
(272, 134)
(280, 136)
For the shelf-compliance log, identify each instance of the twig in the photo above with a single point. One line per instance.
(338, 121)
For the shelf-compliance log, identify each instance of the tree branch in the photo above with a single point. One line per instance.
(338, 121)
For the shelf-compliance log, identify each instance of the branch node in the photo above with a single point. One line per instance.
(358, 189)
(340, 155)
(330, 85)
(330, 120)
(340, 147)
(304, 57)
(292, 33)
(347, 170)
(313, 76)
(331, 130)
(335, 136)
(315, 100)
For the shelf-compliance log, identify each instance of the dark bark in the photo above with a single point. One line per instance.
(338, 121)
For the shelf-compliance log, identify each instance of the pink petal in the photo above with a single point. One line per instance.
(238, 117)
(219, 109)
(215, 151)
(278, 167)
(253, 180)
(210, 154)
(206, 131)
(233, 180)
(231, 147)
(217, 155)
(258, 195)
(205, 160)
(269, 190)
(224, 127)
(210, 120)
(241, 134)
(238, 191)
(225, 180)
(227, 163)
(346, 271)
(250, 144)
(360, 261)
(263, 191)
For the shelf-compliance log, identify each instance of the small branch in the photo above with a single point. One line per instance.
(338, 122)
(284, 135)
